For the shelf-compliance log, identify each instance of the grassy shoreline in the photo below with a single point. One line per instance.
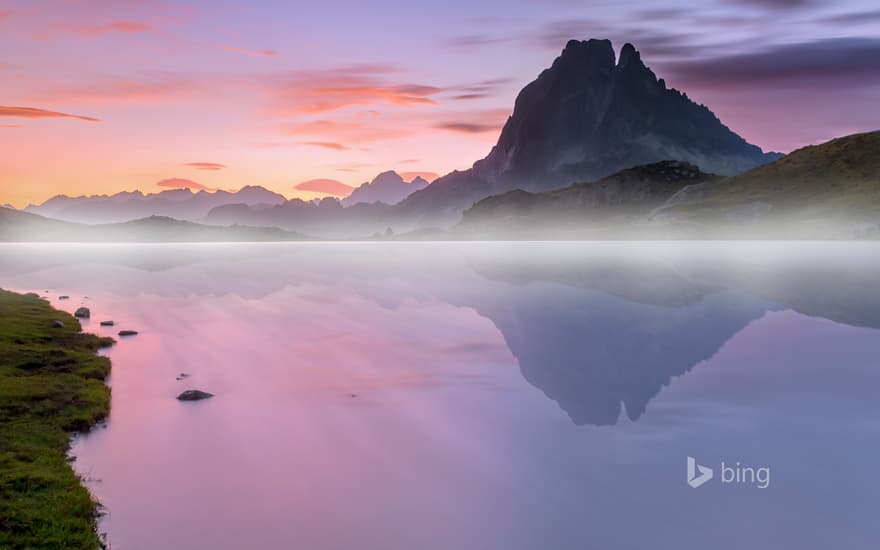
(51, 386)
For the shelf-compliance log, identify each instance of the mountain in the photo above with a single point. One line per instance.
(16, 226)
(609, 202)
(824, 191)
(326, 218)
(181, 204)
(831, 190)
(586, 117)
(388, 187)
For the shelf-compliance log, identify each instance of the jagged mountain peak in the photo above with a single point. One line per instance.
(592, 113)
(389, 187)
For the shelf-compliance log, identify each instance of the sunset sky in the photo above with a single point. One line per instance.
(100, 96)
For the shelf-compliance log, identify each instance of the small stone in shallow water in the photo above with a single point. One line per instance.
(128, 333)
(83, 313)
(64, 297)
(194, 395)
(182, 375)
(107, 323)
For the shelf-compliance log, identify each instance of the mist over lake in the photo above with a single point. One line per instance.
(478, 395)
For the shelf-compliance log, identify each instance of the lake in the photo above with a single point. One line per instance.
(480, 395)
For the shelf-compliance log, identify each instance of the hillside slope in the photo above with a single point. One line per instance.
(618, 199)
(831, 190)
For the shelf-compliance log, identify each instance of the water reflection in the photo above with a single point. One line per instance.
(597, 328)
(443, 396)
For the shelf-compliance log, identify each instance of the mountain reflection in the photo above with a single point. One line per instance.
(597, 327)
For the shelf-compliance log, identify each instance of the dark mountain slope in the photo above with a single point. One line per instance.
(617, 199)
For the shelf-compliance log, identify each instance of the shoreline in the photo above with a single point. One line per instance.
(52, 387)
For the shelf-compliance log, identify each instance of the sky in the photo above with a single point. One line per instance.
(101, 96)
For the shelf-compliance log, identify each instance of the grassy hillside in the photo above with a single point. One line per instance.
(592, 207)
(827, 191)
(833, 187)
(51, 384)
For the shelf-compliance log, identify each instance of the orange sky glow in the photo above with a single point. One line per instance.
(102, 96)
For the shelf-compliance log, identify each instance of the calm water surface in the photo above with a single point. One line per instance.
(480, 396)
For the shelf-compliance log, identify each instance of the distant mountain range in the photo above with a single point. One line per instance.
(387, 187)
(181, 204)
(16, 226)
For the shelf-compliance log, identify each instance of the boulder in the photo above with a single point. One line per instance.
(107, 323)
(57, 324)
(194, 395)
(83, 313)
(128, 333)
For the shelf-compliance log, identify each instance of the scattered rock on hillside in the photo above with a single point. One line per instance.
(57, 324)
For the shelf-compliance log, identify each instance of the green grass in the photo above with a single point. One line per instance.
(51, 384)
(839, 179)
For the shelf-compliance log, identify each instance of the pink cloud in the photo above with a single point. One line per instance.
(356, 130)
(327, 145)
(162, 88)
(311, 92)
(32, 112)
(252, 53)
(468, 127)
(112, 27)
(205, 165)
(326, 186)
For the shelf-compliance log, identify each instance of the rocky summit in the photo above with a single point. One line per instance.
(589, 115)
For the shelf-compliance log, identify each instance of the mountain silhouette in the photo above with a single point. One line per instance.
(584, 118)
(181, 204)
(388, 187)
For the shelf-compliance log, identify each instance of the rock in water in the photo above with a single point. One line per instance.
(83, 313)
(58, 324)
(128, 333)
(194, 395)
(64, 297)
(107, 323)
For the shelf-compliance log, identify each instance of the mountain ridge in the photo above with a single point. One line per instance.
(125, 206)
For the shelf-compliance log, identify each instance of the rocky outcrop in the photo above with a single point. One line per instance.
(194, 395)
